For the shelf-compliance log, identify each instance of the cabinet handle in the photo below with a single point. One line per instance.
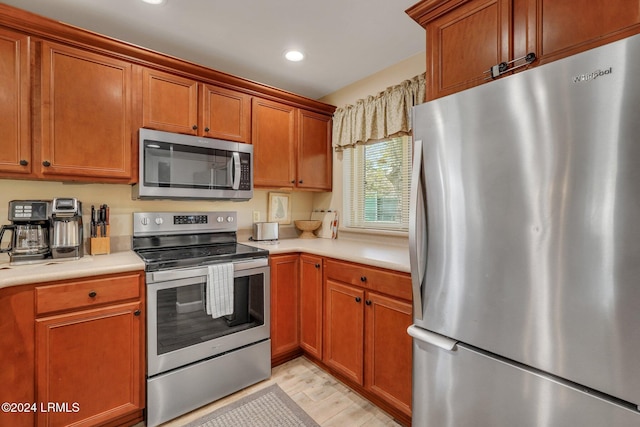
(293, 181)
(23, 162)
(194, 127)
(300, 182)
(317, 265)
(363, 279)
(136, 313)
(206, 129)
(46, 163)
(93, 294)
(368, 302)
(358, 299)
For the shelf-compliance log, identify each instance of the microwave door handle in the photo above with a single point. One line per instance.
(234, 172)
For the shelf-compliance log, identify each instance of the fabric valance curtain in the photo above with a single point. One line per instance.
(385, 115)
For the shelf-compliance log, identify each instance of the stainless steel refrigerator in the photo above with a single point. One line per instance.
(525, 248)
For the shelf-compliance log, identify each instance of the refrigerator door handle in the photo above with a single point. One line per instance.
(431, 338)
(417, 229)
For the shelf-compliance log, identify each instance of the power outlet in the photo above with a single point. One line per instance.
(256, 216)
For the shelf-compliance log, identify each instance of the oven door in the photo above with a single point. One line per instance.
(181, 332)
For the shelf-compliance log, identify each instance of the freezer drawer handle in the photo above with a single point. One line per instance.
(431, 338)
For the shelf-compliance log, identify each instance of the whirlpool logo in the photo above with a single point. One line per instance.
(592, 76)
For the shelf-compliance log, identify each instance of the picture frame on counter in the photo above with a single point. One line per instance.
(279, 208)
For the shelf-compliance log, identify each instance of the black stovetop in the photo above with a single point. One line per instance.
(191, 256)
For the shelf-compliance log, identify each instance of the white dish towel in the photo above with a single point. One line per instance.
(219, 295)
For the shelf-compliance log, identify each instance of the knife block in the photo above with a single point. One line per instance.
(100, 245)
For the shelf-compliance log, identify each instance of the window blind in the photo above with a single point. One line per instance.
(377, 183)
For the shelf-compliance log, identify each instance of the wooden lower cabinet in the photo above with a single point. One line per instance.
(388, 350)
(311, 305)
(89, 362)
(365, 332)
(284, 307)
(344, 330)
(74, 350)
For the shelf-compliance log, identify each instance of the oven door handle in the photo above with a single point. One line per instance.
(186, 273)
(235, 170)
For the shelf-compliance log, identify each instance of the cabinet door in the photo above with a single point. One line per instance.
(86, 115)
(466, 42)
(169, 102)
(17, 338)
(284, 304)
(569, 27)
(388, 350)
(344, 330)
(15, 155)
(314, 151)
(311, 305)
(226, 114)
(91, 362)
(273, 137)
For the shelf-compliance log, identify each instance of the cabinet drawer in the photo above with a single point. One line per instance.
(86, 293)
(385, 281)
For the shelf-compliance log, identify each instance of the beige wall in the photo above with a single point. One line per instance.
(121, 206)
(371, 85)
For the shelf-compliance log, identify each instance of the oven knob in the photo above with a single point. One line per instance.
(229, 219)
(220, 219)
(159, 221)
(145, 221)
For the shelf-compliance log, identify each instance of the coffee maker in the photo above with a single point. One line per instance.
(31, 221)
(66, 228)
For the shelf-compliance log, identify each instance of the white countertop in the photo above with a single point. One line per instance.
(392, 257)
(88, 265)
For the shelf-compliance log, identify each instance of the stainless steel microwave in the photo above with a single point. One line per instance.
(176, 166)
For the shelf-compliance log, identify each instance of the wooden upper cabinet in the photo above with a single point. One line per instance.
(314, 170)
(85, 115)
(465, 38)
(571, 26)
(169, 102)
(173, 103)
(226, 114)
(291, 147)
(274, 143)
(15, 121)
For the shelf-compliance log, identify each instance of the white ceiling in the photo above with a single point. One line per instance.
(344, 40)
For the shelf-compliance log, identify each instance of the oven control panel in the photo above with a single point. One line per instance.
(155, 223)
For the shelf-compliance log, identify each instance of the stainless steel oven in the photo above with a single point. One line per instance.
(193, 356)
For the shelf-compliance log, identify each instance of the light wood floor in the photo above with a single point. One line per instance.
(325, 399)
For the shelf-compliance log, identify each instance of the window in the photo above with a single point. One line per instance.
(377, 181)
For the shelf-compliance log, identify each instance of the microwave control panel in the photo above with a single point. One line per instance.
(245, 171)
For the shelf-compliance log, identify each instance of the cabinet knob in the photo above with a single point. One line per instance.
(93, 294)
(46, 163)
(358, 299)
(317, 265)
(300, 182)
(136, 313)
(206, 129)
(194, 127)
(363, 279)
(368, 302)
(23, 162)
(293, 181)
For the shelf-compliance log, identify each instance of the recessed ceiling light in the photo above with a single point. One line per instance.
(154, 1)
(294, 55)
